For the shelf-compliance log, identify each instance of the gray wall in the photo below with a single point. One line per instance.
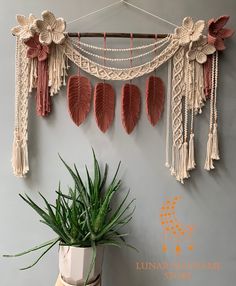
(208, 199)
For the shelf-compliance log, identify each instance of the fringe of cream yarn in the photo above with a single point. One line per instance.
(212, 143)
(20, 161)
(57, 68)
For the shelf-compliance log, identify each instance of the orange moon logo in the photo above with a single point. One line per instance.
(175, 232)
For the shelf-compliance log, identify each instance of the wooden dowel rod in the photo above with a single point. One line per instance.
(118, 35)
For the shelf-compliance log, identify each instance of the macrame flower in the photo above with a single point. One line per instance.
(189, 31)
(50, 29)
(217, 33)
(200, 50)
(36, 49)
(25, 28)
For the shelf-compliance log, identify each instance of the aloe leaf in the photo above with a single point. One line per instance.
(92, 263)
(97, 173)
(40, 211)
(35, 248)
(77, 180)
(90, 183)
(57, 230)
(116, 173)
(30, 266)
(121, 205)
(50, 211)
(113, 221)
(104, 178)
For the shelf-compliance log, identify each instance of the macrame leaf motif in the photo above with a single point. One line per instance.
(155, 99)
(130, 106)
(79, 92)
(104, 105)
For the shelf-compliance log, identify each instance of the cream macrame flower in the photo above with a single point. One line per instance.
(25, 28)
(200, 50)
(189, 31)
(50, 29)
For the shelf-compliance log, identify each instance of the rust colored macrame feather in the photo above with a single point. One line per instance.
(130, 106)
(104, 105)
(79, 92)
(155, 99)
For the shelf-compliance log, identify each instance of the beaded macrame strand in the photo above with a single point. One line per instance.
(157, 47)
(212, 143)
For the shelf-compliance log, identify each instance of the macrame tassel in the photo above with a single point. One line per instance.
(215, 148)
(43, 100)
(16, 158)
(20, 160)
(57, 68)
(58, 282)
(191, 159)
(173, 162)
(184, 171)
(179, 162)
(209, 162)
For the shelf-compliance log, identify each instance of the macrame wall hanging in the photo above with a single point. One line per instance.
(44, 50)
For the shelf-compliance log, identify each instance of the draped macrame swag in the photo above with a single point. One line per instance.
(43, 49)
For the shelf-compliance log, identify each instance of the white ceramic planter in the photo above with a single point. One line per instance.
(75, 263)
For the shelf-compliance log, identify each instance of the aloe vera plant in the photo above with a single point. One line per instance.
(84, 216)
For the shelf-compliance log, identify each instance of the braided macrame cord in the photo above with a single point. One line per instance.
(20, 160)
(185, 51)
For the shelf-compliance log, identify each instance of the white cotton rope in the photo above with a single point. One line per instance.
(168, 94)
(94, 12)
(151, 14)
(127, 3)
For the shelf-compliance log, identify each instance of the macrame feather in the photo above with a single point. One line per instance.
(79, 93)
(130, 106)
(155, 99)
(104, 105)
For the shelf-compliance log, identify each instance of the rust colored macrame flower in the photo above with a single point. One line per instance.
(189, 31)
(217, 33)
(50, 29)
(200, 50)
(25, 28)
(36, 49)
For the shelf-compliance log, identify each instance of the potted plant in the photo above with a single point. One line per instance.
(84, 222)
